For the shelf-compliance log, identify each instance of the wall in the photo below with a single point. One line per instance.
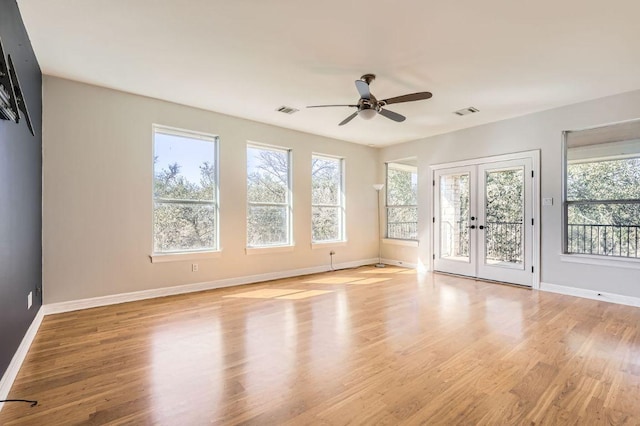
(20, 193)
(97, 211)
(536, 131)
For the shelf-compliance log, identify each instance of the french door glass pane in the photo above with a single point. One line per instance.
(454, 216)
(504, 217)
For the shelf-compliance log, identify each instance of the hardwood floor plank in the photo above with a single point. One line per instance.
(359, 346)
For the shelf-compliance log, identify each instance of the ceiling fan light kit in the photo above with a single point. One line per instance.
(368, 106)
(367, 114)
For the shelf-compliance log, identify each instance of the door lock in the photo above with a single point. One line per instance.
(481, 227)
(472, 227)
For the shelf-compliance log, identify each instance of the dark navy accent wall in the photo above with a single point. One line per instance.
(20, 193)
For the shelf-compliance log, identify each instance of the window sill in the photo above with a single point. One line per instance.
(268, 250)
(327, 244)
(405, 243)
(614, 262)
(184, 256)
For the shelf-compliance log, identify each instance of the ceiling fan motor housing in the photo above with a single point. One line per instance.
(368, 108)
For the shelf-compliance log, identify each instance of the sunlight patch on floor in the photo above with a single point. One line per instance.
(383, 271)
(332, 280)
(305, 294)
(369, 281)
(266, 293)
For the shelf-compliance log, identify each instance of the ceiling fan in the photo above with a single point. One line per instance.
(368, 106)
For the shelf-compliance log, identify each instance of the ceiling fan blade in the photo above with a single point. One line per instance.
(348, 119)
(408, 98)
(324, 106)
(392, 115)
(363, 89)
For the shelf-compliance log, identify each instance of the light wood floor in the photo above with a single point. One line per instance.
(362, 346)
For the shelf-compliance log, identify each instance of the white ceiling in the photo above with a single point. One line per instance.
(248, 57)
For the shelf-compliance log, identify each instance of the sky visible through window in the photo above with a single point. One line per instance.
(187, 152)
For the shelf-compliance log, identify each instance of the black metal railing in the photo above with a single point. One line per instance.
(607, 240)
(504, 241)
(402, 230)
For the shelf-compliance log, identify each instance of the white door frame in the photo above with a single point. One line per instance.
(534, 155)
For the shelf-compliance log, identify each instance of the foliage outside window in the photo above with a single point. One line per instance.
(402, 201)
(602, 208)
(268, 196)
(504, 214)
(327, 211)
(185, 191)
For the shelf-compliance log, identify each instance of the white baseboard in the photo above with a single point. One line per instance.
(591, 294)
(94, 302)
(18, 358)
(399, 263)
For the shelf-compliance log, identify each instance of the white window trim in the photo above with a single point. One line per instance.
(289, 204)
(159, 257)
(401, 242)
(341, 206)
(184, 256)
(328, 244)
(601, 260)
(600, 154)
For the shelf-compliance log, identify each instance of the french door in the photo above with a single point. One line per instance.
(483, 220)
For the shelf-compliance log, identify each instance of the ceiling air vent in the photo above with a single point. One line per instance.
(287, 110)
(466, 111)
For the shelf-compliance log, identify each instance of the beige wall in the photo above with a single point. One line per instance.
(97, 211)
(540, 131)
(97, 217)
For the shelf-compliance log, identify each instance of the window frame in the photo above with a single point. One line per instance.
(171, 255)
(257, 249)
(387, 206)
(341, 200)
(601, 156)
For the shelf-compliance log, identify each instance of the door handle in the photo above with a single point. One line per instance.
(473, 218)
(472, 227)
(481, 227)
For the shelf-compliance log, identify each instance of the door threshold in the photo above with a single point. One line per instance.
(522, 286)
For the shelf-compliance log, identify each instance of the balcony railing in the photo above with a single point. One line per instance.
(402, 230)
(503, 240)
(608, 240)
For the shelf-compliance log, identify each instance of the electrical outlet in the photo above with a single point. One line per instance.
(331, 253)
(29, 300)
(194, 267)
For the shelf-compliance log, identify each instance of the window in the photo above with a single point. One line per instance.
(327, 211)
(268, 196)
(602, 191)
(185, 191)
(402, 201)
